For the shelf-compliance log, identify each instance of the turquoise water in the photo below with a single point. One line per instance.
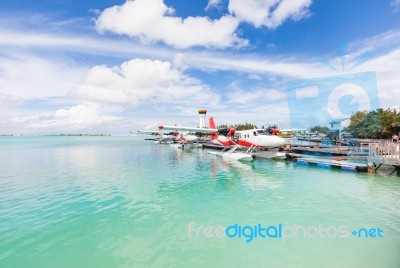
(125, 202)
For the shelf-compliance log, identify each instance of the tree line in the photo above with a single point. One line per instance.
(244, 126)
(375, 124)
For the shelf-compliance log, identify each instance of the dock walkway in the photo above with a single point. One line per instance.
(329, 162)
(384, 153)
(336, 150)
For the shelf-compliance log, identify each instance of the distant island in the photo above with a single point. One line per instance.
(79, 134)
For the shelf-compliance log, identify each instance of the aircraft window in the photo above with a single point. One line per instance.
(254, 133)
(262, 132)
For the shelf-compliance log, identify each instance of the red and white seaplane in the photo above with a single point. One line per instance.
(239, 145)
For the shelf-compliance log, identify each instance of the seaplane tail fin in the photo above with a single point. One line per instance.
(213, 136)
(212, 123)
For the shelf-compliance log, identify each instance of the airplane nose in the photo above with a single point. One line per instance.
(272, 141)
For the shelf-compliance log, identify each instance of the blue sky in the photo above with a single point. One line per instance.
(115, 66)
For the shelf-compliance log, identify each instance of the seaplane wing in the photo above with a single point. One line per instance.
(155, 133)
(189, 129)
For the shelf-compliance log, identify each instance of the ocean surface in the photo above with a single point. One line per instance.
(126, 202)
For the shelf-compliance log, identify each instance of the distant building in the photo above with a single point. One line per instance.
(337, 127)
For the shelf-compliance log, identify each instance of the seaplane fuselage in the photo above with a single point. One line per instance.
(257, 138)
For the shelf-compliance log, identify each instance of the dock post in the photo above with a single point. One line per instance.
(371, 168)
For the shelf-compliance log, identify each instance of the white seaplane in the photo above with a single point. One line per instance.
(159, 137)
(239, 145)
(170, 137)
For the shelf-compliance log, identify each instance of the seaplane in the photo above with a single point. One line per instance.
(174, 138)
(238, 145)
(185, 137)
(184, 140)
(159, 137)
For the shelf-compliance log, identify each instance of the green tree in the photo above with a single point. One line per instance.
(358, 118)
(244, 126)
(319, 129)
(375, 124)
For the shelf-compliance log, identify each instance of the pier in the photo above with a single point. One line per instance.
(318, 149)
(329, 162)
(386, 153)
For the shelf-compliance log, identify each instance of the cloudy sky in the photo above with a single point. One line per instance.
(114, 66)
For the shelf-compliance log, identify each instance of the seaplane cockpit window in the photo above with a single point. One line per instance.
(262, 132)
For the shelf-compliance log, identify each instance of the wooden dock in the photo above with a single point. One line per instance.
(385, 153)
(337, 150)
(329, 162)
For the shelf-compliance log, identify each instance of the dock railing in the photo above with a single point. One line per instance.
(384, 153)
(367, 142)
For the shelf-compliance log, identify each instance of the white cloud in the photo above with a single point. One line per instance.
(206, 61)
(11, 40)
(269, 13)
(177, 95)
(395, 4)
(260, 113)
(384, 60)
(389, 89)
(307, 92)
(82, 116)
(152, 21)
(287, 67)
(28, 76)
(141, 82)
(254, 77)
(213, 4)
(250, 97)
